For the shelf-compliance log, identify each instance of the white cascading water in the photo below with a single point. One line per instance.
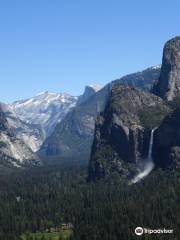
(149, 165)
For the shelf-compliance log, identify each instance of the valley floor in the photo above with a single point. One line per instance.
(63, 235)
(110, 209)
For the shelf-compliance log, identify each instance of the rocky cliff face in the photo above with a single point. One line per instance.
(3, 121)
(167, 141)
(168, 85)
(72, 138)
(121, 141)
(89, 92)
(13, 151)
(32, 134)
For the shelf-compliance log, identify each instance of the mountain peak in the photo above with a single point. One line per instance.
(45, 109)
(95, 87)
(173, 42)
(89, 91)
(168, 85)
(156, 66)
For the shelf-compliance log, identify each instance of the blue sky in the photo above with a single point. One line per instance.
(63, 45)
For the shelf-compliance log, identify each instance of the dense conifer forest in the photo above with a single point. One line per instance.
(41, 198)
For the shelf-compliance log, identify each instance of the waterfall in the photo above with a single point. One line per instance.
(150, 158)
(149, 164)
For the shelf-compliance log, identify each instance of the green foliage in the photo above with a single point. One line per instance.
(63, 235)
(152, 116)
(109, 209)
(103, 154)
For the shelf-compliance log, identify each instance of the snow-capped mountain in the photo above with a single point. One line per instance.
(35, 118)
(45, 109)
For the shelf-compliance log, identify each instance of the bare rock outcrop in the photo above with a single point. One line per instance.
(168, 85)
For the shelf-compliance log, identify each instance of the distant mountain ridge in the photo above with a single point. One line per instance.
(34, 119)
(45, 109)
(72, 138)
(61, 125)
(142, 79)
(73, 135)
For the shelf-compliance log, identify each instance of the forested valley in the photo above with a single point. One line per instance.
(36, 199)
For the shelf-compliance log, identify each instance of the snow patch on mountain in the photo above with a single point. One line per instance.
(157, 66)
(45, 109)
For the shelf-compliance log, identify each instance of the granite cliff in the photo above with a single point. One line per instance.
(168, 85)
(166, 147)
(73, 137)
(121, 141)
(13, 151)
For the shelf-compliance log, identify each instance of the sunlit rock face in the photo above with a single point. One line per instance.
(13, 151)
(32, 134)
(168, 85)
